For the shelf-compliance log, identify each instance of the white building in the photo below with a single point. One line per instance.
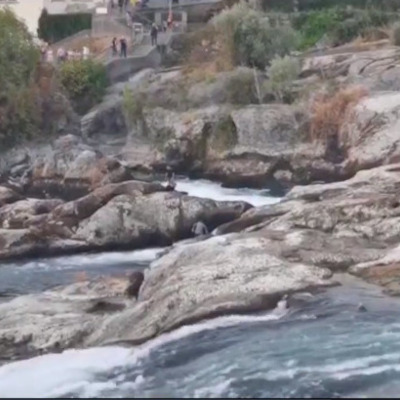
(27, 10)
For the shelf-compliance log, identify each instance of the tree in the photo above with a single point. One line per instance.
(18, 53)
(18, 65)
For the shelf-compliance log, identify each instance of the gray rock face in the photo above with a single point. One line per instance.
(157, 218)
(58, 319)
(215, 277)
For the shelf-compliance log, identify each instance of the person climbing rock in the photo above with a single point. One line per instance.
(199, 229)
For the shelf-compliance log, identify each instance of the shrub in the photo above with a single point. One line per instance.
(395, 34)
(248, 37)
(340, 25)
(132, 107)
(85, 82)
(282, 72)
(328, 112)
(240, 87)
(53, 28)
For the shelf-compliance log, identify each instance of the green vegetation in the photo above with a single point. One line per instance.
(282, 72)
(132, 108)
(249, 38)
(19, 57)
(85, 82)
(309, 5)
(338, 25)
(53, 28)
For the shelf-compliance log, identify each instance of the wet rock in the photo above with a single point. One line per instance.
(153, 219)
(215, 277)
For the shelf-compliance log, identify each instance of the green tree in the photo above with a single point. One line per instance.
(18, 66)
(250, 37)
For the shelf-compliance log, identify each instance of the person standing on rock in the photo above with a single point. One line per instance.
(154, 34)
(199, 229)
(170, 178)
(114, 47)
(123, 45)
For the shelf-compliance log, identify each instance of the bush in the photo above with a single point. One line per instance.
(340, 25)
(282, 72)
(132, 107)
(328, 112)
(85, 82)
(53, 28)
(395, 34)
(249, 38)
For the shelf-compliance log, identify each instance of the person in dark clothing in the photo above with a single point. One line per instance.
(123, 45)
(170, 178)
(114, 47)
(120, 5)
(154, 34)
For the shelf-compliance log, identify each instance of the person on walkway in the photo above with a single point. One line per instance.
(120, 5)
(114, 47)
(123, 45)
(154, 34)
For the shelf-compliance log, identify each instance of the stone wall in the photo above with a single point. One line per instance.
(103, 25)
(121, 69)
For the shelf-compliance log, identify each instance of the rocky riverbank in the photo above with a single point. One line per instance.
(81, 193)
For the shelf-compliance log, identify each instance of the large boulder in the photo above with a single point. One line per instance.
(154, 219)
(206, 279)
(58, 319)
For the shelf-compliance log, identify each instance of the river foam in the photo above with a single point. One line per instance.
(75, 371)
(211, 190)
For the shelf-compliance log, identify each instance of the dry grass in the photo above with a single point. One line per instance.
(208, 56)
(329, 112)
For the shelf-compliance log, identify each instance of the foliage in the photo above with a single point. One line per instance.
(282, 72)
(307, 5)
(240, 87)
(85, 82)
(132, 107)
(249, 38)
(339, 25)
(53, 28)
(395, 34)
(18, 94)
(329, 112)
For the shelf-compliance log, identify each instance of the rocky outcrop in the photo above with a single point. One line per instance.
(194, 281)
(215, 127)
(58, 319)
(207, 279)
(155, 219)
(127, 215)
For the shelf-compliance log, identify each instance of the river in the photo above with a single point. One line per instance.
(323, 348)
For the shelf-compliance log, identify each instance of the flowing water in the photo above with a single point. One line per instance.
(323, 347)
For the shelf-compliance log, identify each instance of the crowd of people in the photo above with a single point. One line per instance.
(61, 55)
